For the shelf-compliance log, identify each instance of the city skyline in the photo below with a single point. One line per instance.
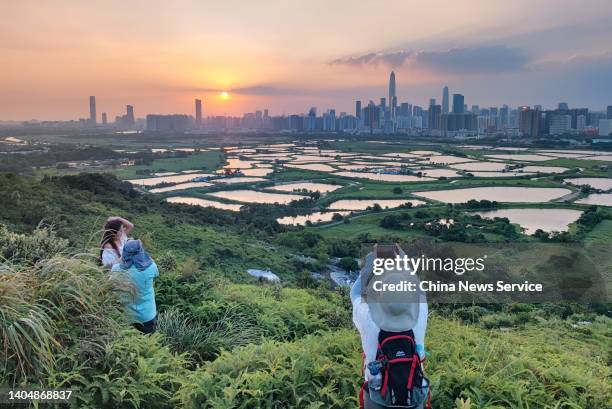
(263, 56)
(391, 116)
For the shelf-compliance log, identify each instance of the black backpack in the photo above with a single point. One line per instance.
(403, 383)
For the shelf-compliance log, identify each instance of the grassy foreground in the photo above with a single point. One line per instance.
(226, 345)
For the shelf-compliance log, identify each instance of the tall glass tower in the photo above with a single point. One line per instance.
(392, 96)
(445, 100)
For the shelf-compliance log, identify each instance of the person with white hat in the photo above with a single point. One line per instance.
(392, 327)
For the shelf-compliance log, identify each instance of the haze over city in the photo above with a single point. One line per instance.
(289, 56)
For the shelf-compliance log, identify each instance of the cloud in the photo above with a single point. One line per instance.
(583, 81)
(474, 60)
(258, 90)
(267, 90)
(391, 59)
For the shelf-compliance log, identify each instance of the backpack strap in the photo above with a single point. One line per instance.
(364, 388)
(363, 357)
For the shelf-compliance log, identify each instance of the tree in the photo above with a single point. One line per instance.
(348, 264)
(336, 217)
(397, 190)
(391, 221)
(541, 235)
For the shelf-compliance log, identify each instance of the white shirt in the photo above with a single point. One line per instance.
(110, 256)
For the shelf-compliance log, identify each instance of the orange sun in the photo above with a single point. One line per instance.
(224, 95)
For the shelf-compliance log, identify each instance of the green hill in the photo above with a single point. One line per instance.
(227, 341)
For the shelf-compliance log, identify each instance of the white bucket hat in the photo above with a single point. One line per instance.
(393, 311)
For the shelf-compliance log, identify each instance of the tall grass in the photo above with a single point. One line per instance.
(49, 301)
(205, 340)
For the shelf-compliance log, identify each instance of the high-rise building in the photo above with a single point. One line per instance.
(129, 115)
(563, 105)
(358, 109)
(296, 123)
(458, 104)
(198, 113)
(104, 118)
(445, 100)
(176, 123)
(605, 127)
(329, 121)
(392, 96)
(560, 124)
(581, 122)
(529, 121)
(311, 120)
(609, 112)
(371, 116)
(432, 101)
(405, 109)
(452, 123)
(504, 116)
(92, 110)
(434, 117)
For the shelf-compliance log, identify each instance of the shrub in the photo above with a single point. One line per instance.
(336, 217)
(189, 268)
(134, 371)
(166, 262)
(348, 264)
(318, 371)
(205, 340)
(20, 248)
(391, 221)
(471, 314)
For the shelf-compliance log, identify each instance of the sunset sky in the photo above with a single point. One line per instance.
(289, 55)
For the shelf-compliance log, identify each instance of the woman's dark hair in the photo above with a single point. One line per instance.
(109, 234)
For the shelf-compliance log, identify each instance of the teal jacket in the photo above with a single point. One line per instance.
(141, 308)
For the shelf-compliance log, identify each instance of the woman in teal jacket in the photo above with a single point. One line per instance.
(140, 269)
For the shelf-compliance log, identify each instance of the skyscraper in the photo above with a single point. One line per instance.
(529, 122)
(92, 110)
(445, 100)
(458, 104)
(358, 109)
(311, 123)
(432, 101)
(609, 112)
(504, 116)
(198, 113)
(434, 116)
(371, 117)
(392, 96)
(104, 120)
(129, 115)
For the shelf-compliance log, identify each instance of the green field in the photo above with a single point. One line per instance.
(229, 340)
(205, 161)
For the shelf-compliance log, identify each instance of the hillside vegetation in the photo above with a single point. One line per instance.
(225, 341)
